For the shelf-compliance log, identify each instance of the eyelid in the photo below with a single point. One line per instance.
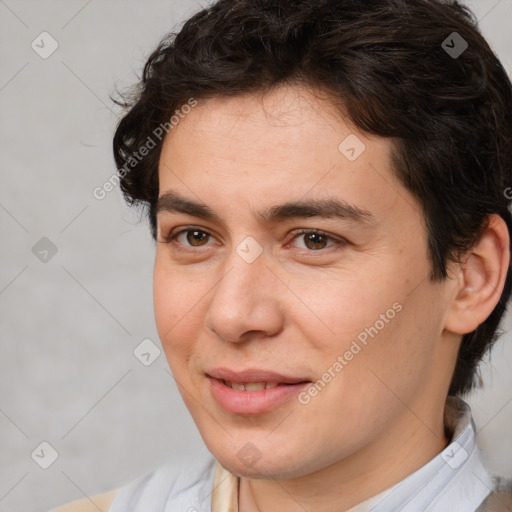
(169, 239)
(339, 241)
(306, 231)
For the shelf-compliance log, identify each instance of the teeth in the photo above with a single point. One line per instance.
(255, 386)
(251, 386)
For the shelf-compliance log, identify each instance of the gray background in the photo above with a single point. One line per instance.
(69, 325)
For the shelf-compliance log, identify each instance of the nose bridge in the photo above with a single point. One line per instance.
(244, 298)
(246, 266)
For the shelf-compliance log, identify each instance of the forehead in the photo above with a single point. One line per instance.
(285, 144)
(286, 112)
(287, 127)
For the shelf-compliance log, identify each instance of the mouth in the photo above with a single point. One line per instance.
(252, 391)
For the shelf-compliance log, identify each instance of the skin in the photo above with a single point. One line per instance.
(297, 307)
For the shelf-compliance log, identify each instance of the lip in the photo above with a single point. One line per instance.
(253, 375)
(253, 402)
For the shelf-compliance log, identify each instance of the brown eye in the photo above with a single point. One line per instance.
(195, 237)
(315, 241)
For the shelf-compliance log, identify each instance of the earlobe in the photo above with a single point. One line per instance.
(480, 279)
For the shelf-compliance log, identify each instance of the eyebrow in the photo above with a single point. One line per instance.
(330, 207)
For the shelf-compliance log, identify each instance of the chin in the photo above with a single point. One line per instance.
(249, 462)
(261, 470)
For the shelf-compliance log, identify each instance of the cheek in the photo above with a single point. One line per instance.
(372, 322)
(165, 303)
(176, 306)
(397, 357)
(345, 307)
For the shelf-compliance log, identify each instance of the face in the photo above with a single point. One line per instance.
(328, 299)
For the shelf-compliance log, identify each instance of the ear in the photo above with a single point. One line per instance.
(480, 278)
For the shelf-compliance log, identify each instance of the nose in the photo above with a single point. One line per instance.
(246, 302)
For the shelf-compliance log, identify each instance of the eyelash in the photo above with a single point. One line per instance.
(171, 239)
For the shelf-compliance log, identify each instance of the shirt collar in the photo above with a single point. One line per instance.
(455, 478)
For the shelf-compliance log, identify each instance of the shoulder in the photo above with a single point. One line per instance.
(184, 483)
(92, 504)
(500, 499)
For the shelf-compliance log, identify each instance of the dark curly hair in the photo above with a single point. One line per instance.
(396, 68)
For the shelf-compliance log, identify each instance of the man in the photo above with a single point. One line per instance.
(326, 182)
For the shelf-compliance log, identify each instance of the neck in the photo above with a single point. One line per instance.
(354, 479)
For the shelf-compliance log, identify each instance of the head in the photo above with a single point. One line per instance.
(394, 150)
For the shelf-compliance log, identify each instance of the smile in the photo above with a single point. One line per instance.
(250, 398)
